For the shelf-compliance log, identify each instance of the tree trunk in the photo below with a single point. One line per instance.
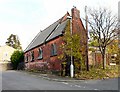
(104, 58)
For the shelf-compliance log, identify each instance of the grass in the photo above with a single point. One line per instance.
(99, 73)
(93, 73)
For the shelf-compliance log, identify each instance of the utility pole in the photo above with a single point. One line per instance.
(86, 17)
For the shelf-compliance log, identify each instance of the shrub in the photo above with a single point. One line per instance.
(99, 73)
(16, 58)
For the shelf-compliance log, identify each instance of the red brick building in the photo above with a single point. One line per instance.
(43, 51)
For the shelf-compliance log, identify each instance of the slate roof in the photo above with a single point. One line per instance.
(58, 31)
(51, 32)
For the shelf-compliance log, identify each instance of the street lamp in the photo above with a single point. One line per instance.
(71, 65)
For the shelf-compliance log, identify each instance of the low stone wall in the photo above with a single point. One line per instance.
(5, 66)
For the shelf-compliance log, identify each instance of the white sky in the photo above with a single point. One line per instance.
(26, 18)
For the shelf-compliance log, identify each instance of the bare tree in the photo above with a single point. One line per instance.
(103, 28)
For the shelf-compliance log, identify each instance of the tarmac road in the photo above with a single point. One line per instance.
(15, 80)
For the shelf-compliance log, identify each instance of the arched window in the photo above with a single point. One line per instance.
(32, 55)
(26, 58)
(53, 50)
(40, 53)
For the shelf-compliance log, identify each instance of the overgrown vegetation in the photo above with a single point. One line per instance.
(72, 46)
(99, 73)
(16, 58)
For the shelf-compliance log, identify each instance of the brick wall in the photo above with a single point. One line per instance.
(51, 62)
(95, 58)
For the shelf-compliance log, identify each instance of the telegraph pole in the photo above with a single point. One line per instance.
(86, 17)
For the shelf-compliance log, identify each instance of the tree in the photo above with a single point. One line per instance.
(16, 58)
(14, 42)
(72, 47)
(93, 43)
(103, 28)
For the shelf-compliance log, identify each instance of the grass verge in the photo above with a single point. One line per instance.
(99, 73)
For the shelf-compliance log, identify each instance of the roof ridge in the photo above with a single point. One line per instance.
(60, 19)
(56, 23)
(52, 32)
(55, 27)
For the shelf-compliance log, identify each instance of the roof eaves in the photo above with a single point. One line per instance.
(32, 41)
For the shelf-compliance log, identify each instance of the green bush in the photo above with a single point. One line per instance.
(16, 58)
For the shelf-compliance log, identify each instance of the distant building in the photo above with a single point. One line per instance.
(44, 49)
(95, 56)
(5, 54)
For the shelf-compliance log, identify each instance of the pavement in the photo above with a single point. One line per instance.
(53, 77)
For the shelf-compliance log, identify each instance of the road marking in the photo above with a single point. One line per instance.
(55, 79)
(84, 87)
(95, 89)
(65, 83)
(77, 86)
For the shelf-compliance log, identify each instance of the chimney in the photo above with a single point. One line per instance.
(75, 13)
(76, 23)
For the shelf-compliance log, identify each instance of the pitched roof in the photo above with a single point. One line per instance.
(49, 33)
(58, 31)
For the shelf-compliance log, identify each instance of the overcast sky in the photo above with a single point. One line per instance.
(26, 18)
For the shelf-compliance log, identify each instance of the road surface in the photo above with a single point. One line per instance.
(15, 80)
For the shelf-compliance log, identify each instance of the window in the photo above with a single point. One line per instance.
(53, 50)
(26, 58)
(32, 56)
(29, 56)
(40, 53)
